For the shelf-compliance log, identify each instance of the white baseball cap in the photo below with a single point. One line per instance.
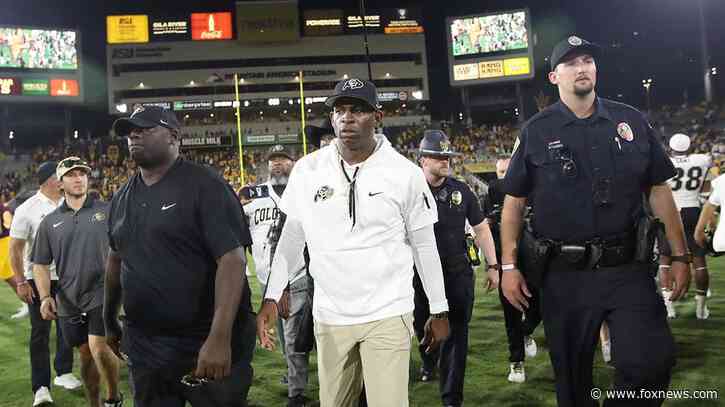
(680, 142)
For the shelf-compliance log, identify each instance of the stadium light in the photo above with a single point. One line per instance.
(12, 135)
(75, 133)
(417, 94)
(284, 111)
(713, 70)
(122, 108)
(211, 114)
(291, 102)
(141, 85)
(309, 110)
(241, 81)
(261, 112)
(246, 103)
(345, 76)
(647, 84)
(186, 116)
(387, 74)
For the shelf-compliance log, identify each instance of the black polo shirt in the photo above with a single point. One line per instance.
(456, 203)
(78, 243)
(615, 149)
(169, 236)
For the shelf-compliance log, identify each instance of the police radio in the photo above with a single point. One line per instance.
(254, 192)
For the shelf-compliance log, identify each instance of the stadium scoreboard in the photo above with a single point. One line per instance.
(490, 48)
(40, 65)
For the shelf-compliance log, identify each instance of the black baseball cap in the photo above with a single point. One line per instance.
(146, 117)
(436, 143)
(279, 150)
(569, 46)
(355, 88)
(45, 171)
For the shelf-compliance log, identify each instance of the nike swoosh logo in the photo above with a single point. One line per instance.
(374, 193)
(55, 225)
(163, 122)
(165, 207)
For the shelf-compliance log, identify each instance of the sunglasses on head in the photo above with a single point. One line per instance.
(72, 163)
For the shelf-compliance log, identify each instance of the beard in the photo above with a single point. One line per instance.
(584, 90)
(280, 179)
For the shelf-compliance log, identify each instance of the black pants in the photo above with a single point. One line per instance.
(516, 329)
(161, 386)
(40, 345)
(574, 305)
(451, 355)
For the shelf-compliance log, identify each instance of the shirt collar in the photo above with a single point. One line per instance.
(45, 198)
(600, 111)
(88, 203)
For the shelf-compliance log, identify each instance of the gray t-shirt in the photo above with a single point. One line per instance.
(78, 244)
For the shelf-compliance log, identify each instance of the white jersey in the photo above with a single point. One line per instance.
(691, 174)
(262, 213)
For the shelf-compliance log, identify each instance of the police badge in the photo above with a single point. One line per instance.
(324, 193)
(625, 131)
(445, 146)
(456, 198)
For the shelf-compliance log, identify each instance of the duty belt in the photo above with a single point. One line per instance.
(595, 253)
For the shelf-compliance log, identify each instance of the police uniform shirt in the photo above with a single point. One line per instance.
(364, 272)
(616, 157)
(169, 236)
(456, 203)
(26, 220)
(687, 183)
(78, 244)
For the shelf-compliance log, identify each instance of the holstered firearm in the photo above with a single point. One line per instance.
(533, 255)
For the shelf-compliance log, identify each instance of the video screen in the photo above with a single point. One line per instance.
(37, 49)
(487, 34)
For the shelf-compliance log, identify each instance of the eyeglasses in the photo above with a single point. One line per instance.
(190, 380)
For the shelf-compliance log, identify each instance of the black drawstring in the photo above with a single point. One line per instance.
(351, 192)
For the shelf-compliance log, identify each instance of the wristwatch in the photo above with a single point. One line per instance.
(685, 258)
(440, 315)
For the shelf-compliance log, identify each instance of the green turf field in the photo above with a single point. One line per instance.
(700, 365)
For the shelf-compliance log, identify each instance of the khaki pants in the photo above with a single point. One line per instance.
(377, 352)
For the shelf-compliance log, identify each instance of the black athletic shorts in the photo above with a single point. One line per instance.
(77, 328)
(689, 221)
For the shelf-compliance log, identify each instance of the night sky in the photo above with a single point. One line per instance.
(656, 39)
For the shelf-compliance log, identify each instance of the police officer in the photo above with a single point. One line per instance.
(456, 204)
(586, 162)
(519, 326)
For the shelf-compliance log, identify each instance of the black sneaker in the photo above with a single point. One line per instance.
(296, 401)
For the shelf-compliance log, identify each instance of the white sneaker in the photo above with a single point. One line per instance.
(517, 373)
(701, 310)
(67, 381)
(23, 312)
(607, 351)
(42, 397)
(530, 347)
(671, 314)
